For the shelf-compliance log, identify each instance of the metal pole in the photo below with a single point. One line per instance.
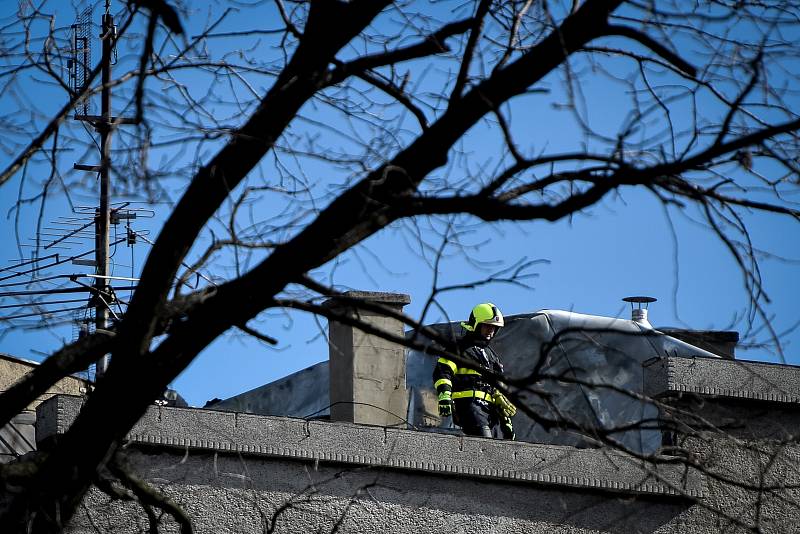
(104, 213)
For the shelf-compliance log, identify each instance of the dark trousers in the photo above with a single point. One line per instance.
(475, 417)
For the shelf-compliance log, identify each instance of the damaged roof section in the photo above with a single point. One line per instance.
(582, 369)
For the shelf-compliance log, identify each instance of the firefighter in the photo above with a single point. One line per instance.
(476, 406)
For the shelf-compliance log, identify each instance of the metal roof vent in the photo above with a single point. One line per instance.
(639, 309)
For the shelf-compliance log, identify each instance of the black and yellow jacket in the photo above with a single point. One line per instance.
(466, 382)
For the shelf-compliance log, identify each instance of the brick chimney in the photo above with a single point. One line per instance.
(367, 373)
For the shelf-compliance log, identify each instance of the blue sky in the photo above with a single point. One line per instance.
(628, 244)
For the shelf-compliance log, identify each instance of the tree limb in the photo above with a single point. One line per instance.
(648, 42)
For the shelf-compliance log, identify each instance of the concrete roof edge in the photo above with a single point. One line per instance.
(32, 364)
(740, 379)
(17, 359)
(384, 447)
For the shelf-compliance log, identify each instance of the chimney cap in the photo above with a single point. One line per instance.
(639, 309)
(352, 298)
(640, 300)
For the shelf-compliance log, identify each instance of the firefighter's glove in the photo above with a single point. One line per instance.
(445, 404)
(507, 428)
(504, 405)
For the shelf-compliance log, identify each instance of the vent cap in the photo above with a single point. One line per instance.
(639, 306)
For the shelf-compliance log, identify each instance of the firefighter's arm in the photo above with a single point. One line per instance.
(443, 383)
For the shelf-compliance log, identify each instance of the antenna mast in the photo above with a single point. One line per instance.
(103, 124)
(32, 287)
(108, 36)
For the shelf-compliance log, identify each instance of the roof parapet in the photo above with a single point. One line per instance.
(391, 448)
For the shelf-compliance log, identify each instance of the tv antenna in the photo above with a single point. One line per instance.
(104, 125)
(39, 287)
(80, 61)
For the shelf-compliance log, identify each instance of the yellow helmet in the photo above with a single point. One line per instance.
(485, 313)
